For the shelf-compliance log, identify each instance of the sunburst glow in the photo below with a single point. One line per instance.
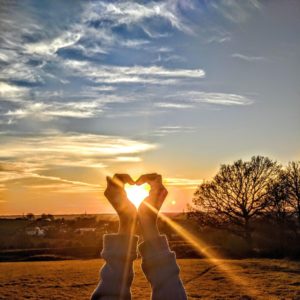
(200, 246)
(137, 193)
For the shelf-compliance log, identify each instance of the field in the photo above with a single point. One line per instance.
(76, 279)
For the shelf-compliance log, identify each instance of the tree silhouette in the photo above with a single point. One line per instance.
(278, 206)
(292, 177)
(279, 209)
(237, 194)
(30, 216)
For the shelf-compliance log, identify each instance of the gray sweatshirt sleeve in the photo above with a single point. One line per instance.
(161, 270)
(119, 252)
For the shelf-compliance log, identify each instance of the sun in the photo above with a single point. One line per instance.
(137, 193)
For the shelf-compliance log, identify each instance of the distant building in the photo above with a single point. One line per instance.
(85, 230)
(35, 231)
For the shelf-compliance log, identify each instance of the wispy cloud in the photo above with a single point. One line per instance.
(33, 181)
(216, 34)
(166, 130)
(182, 182)
(173, 105)
(10, 92)
(219, 98)
(247, 57)
(50, 47)
(219, 39)
(47, 111)
(19, 71)
(129, 13)
(167, 57)
(135, 74)
(75, 149)
(25, 159)
(183, 100)
(235, 11)
(128, 159)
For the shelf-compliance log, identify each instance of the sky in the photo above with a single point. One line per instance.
(93, 88)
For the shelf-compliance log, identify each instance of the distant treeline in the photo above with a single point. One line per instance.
(48, 237)
(256, 200)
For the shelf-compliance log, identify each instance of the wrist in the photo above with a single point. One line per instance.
(150, 232)
(127, 227)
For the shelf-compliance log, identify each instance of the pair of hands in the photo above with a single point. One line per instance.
(148, 210)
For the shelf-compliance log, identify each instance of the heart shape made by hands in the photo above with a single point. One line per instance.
(137, 193)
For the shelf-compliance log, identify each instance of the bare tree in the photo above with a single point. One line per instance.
(30, 216)
(237, 194)
(278, 199)
(279, 209)
(292, 176)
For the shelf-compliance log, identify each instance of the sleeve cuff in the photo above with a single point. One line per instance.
(155, 247)
(158, 261)
(119, 246)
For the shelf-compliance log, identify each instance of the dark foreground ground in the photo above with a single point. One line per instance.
(242, 279)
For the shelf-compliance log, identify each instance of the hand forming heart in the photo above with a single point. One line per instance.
(137, 193)
(146, 194)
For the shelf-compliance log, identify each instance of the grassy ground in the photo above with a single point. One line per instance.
(258, 279)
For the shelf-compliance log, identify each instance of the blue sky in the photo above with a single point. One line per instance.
(89, 88)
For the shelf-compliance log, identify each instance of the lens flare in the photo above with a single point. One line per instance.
(137, 193)
(200, 246)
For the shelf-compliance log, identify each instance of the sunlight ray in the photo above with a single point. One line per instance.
(127, 264)
(201, 247)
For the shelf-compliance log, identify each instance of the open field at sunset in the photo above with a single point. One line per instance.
(264, 278)
(164, 126)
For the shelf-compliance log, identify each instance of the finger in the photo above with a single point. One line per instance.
(125, 178)
(158, 194)
(162, 196)
(156, 183)
(109, 183)
(109, 180)
(147, 178)
(121, 179)
(115, 182)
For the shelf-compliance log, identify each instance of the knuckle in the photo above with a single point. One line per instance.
(158, 179)
(120, 175)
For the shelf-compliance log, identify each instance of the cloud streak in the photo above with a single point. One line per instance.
(236, 11)
(173, 105)
(182, 182)
(10, 92)
(48, 111)
(219, 98)
(248, 58)
(132, 13)
(26, 159)
(166, 130)
(75, 149)
(135, 74)
(190, 99)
